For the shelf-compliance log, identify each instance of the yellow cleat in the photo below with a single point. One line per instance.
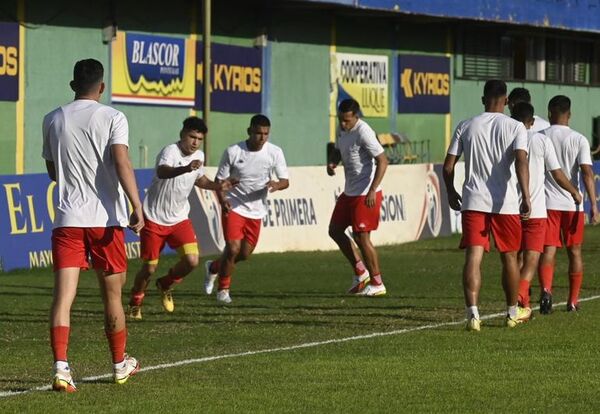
(166, 297)
(473, 324)
(135, 312)
(523, 315)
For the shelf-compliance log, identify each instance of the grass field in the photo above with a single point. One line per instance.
(296, 301)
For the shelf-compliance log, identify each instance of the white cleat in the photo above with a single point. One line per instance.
(373, 290)
(132, 366)
(209, 278)
(359, 283)
(223, 297)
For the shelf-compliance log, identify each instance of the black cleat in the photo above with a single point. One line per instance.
(546, 303)
(572, 307)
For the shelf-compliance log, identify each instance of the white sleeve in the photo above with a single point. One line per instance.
(224, 169)
(456, 146)
(165, 157)
(550, 159)
(370, 142)
(521, 139)
(201, 169)
(584, 156)
(46, 149)
(281, 166)
(119, 130)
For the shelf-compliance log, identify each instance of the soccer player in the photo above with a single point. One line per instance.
(542, 158)
(495, 151)
(565, 218)
(86, 151)
(522, 95)
(358, 206)
(166, 209)
(250, 164)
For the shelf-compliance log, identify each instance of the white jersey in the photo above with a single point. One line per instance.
(166, 201)
(542, 158)
(572, 150)
(489, 142)
(539, 124)
(253, 169)
(358, 148)
(78, 139)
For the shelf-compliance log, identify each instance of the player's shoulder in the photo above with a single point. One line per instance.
(54, 114)
(364, 129)
(272, 148)
(109, 111)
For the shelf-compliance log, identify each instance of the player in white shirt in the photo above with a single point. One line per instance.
(542, 159)
(359, 205)
(86, 151)
(522, 95)
(251, 164)
(495, 153)
(179, 167)
(565, 218)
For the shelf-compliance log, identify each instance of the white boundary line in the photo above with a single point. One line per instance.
(282, 349)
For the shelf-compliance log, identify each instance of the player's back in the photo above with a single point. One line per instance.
(542, 158)
(77, 138)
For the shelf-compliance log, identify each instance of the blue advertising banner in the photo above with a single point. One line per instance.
(26, 215)
(424, 84)
(9, 61)
(236, 78)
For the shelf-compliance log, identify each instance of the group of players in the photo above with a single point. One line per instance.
(521, 186)
(85, 145)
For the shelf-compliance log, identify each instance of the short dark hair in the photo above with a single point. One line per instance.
(494, 89)
(349, 105)
(523, 112)
(87, 73)
(193, 123)
(519, 95)
(259, 120)
(559, 105)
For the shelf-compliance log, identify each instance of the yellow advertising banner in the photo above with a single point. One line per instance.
(153, 70)
(363, 78)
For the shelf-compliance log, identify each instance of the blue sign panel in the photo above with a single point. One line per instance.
(236, 77)
(9, 61)
(424, 84)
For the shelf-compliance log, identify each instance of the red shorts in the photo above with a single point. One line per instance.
(237, 227)
(569, 224)
(352, 211)
(71, 247)
(534, 234)
(180, 236)
(506, 229)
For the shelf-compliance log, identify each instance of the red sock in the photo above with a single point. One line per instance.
(136, 298)
(546, 274)
(117, 342)
(575, 280)
(524, 293)
(359, 268)
(224, 282)
(169, 280)
(376, 280)
(214, 266)
(59, 340)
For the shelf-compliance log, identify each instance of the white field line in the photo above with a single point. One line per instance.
(282, 349)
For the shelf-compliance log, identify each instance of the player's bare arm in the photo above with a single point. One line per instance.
(221, 185)
(381, 166)
(282, 184)
(590, 187)
(522, 169)
(165, 172)
(562, 180)
(334, 159)
(454, 199)
(225, 204)
(51, 168)
(124, 169)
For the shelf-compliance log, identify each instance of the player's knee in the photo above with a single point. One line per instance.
(151, 269)
(335, 232)
(362, 238)
(232, 251)
(192, 260)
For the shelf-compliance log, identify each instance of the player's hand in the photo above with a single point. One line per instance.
(194, 165)
(525, 209)
(273, 186)
(577, 198)
(227, 184)
(331, 169)
(370, 198)
(454, 200)
(594, 216)
(136, 220)
(225, 206)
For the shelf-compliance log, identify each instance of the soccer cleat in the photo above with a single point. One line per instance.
(359, 283)
(473, 324)
(63, 382)
(373, 290)
(134, 312)
(223, 297)
(209, 278)
(546, 303)
(132, 366)
(523, 315)
(572, 307)
(166, 297)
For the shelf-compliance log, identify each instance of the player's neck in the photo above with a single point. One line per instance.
(564, 121)
(252, 147)
(91, 97)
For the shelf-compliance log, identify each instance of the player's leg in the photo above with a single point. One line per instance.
(573, 231)
(530, 264)
(375, 286)
(548, 259)
(532, 246)
(226, 269)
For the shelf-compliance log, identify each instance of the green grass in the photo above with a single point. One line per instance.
(282, 300)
